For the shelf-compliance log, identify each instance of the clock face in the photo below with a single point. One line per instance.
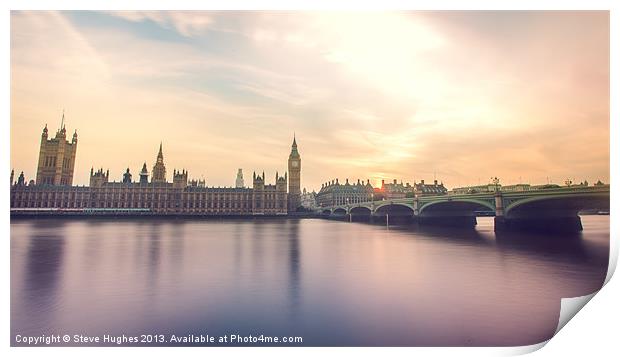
(295, 163)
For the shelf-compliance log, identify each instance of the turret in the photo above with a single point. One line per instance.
(99, 178)
(127, 177)
(239, 180)
(144, 175)
(21, 181)
(179, 179)
(258, 182)
(74, 140)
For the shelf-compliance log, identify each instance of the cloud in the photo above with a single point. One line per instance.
(370, 95)
(187, 23)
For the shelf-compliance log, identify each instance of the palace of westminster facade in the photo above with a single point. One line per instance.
(53, 188)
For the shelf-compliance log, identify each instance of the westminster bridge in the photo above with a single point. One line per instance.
(551, 209)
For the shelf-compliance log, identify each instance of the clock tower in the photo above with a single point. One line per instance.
(294, 178)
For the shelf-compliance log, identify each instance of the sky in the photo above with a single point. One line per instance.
(457, 96)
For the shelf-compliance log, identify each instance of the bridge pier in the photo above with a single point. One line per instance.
(567, 224)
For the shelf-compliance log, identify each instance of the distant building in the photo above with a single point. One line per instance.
(396, 190)
(308, 200)
(181, 196)
(424, 189)
(239, 180)
(333, 193)
(56, 158)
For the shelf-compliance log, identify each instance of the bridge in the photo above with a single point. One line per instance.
(551, 209)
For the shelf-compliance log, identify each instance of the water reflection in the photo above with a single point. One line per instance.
(43, 269)
(294, 258)
(334, 283)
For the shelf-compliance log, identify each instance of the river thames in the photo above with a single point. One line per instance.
(332, 283)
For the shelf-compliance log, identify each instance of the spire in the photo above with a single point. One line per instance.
(294, 152)
(62, 121)
(160, 154)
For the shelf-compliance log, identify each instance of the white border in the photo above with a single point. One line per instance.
(594, 328)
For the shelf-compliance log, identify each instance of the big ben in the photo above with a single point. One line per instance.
(294, 184)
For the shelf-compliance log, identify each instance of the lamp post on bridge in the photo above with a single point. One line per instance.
(495, 181)
(349, 210)
(499, 202)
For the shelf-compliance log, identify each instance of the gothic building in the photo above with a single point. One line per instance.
(157, 196)
(294, 184)
(56, 157)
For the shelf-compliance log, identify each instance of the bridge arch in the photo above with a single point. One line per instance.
(340, 211)
(458, 204)
(557, 205)
(360, 210)
(387, 205)
(326, 212)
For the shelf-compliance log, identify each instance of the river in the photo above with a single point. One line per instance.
(332, 283)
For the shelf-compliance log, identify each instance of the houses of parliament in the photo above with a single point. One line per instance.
(53, 190)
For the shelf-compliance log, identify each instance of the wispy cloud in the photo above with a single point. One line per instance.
(369, 94)
(186, 23)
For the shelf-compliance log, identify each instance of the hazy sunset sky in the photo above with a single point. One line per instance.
(405, 95)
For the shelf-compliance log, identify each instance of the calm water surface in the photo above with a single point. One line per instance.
(333, 283)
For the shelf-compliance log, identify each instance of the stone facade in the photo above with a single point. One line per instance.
(179, 197)
(157, 198)
(56, 158)
(333, 193)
